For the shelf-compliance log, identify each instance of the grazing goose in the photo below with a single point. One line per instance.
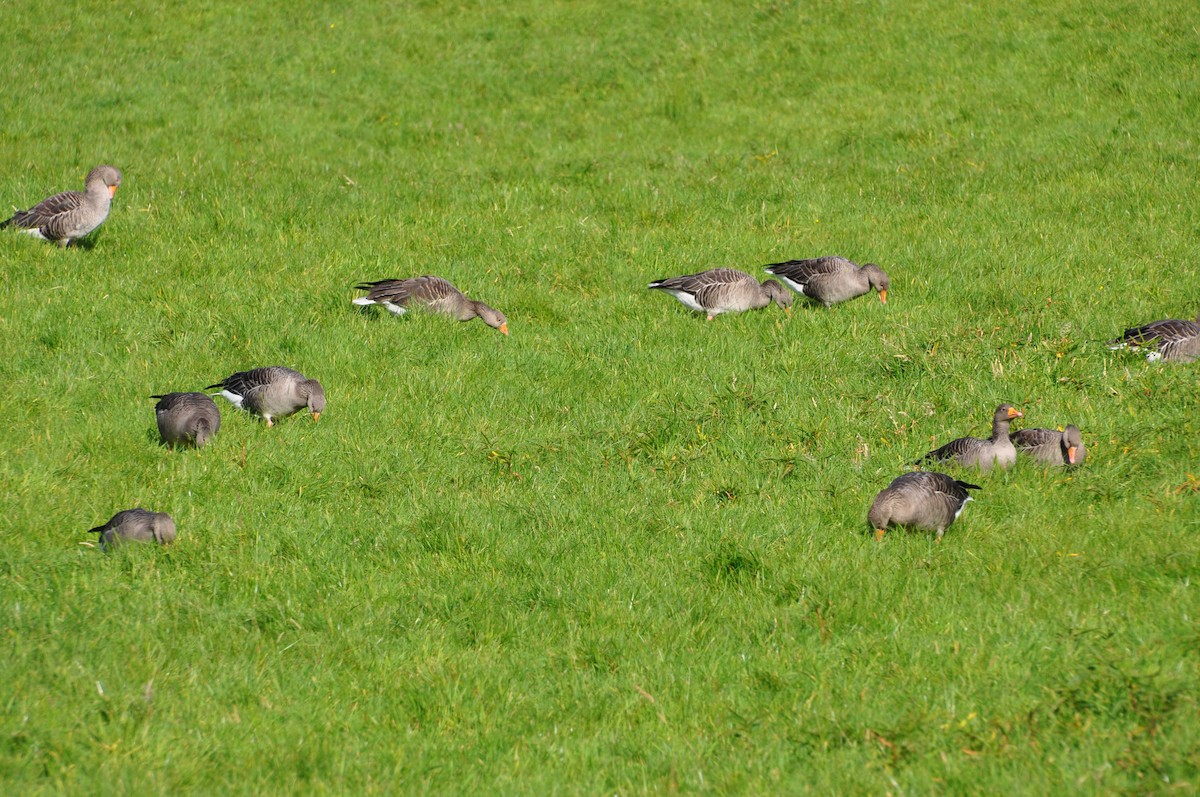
(923, 500)
(186, 419)
(1170, 339)
(972, 451)
(830, 280)
(273, 392)
(431, 293)
(71, 215)
(1051, 447)
(724, 290)
(141, 525)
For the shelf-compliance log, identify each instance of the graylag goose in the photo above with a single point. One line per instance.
(140, 525)
(71, 215)
(830, 280)
(724, 290)
(430, 293)
(1171, 339)
(273, 392)
(974, 452)
(1051, 447)
(186, 419)
(921, 500)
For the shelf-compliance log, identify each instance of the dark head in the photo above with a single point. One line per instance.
(312, 390)
(493, 318)
(878, 280)
(779, 294)
(107, 176)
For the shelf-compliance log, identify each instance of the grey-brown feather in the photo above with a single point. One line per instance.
(922, 500)
(274, 391)
(1049, 446)
(431, 293)
(71, 215)
(830, 280)
(139, 525)
(722, 290)
(186, 418)
(976, 452)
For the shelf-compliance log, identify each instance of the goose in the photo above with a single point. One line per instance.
(1051, 447)
(431, 293)
(922, 500)
(972, 451)
(71, 215)
(140, 525)
(830, 280)
(1171, 339)
(272, 392)
(724, 290)
(186, 419)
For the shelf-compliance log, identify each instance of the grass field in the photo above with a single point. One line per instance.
(623, 550)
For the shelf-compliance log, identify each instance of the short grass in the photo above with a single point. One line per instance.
(624, 550)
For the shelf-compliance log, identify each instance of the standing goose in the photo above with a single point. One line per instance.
(273, 392)
(431, 293)
(830, 280)
(972, 451)
(1051, 447)
(186, 419)
(1171, 339)
(71, 215)
(922, 500)
(141, 525)
(724, 290)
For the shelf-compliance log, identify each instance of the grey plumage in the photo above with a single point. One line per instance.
(975, 452)
(1050, 446)
(71, 215)
(273, 392)
(140, 525)
(1171, 339)
(186, 419)
(724, 290)
(429, 293)
(921, 500)
(830, 280)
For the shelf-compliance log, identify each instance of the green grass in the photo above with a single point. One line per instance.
(623, 550)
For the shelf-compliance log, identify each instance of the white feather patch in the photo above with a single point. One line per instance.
(233, 398)
(36, 233)
(796, 286)
(688, 300)
(395, 309)
(962, 506)
(363, 301)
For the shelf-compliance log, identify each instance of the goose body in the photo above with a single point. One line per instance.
(921, 500)
(430, 293)
(976, 452)
(1051, 447)
(273, 392)
(186, 419)
(1171, 339)
(830, 280)
(140, 525)
(71, 215)
(723, 290)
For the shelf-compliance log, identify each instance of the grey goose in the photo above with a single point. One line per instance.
(974, 452)
(71, 215)
(140, 525)
(830, 280)
(1171, 339)
(921, 500)
(273, 392)
(186, 419)
(430, 293)
(1051, 447)
(724, 290)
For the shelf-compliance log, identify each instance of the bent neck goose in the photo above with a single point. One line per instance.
(186, 419)
(724, 290)
(1170, 339)
(273, 392)
(1051, 447)
(830, 280)
(922, 500)
(431, 293)
(71, 215)
(974, 452)
(140, 525)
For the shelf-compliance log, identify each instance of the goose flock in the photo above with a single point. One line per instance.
(920, 499)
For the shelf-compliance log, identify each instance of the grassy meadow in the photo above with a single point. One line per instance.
(624, 550)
